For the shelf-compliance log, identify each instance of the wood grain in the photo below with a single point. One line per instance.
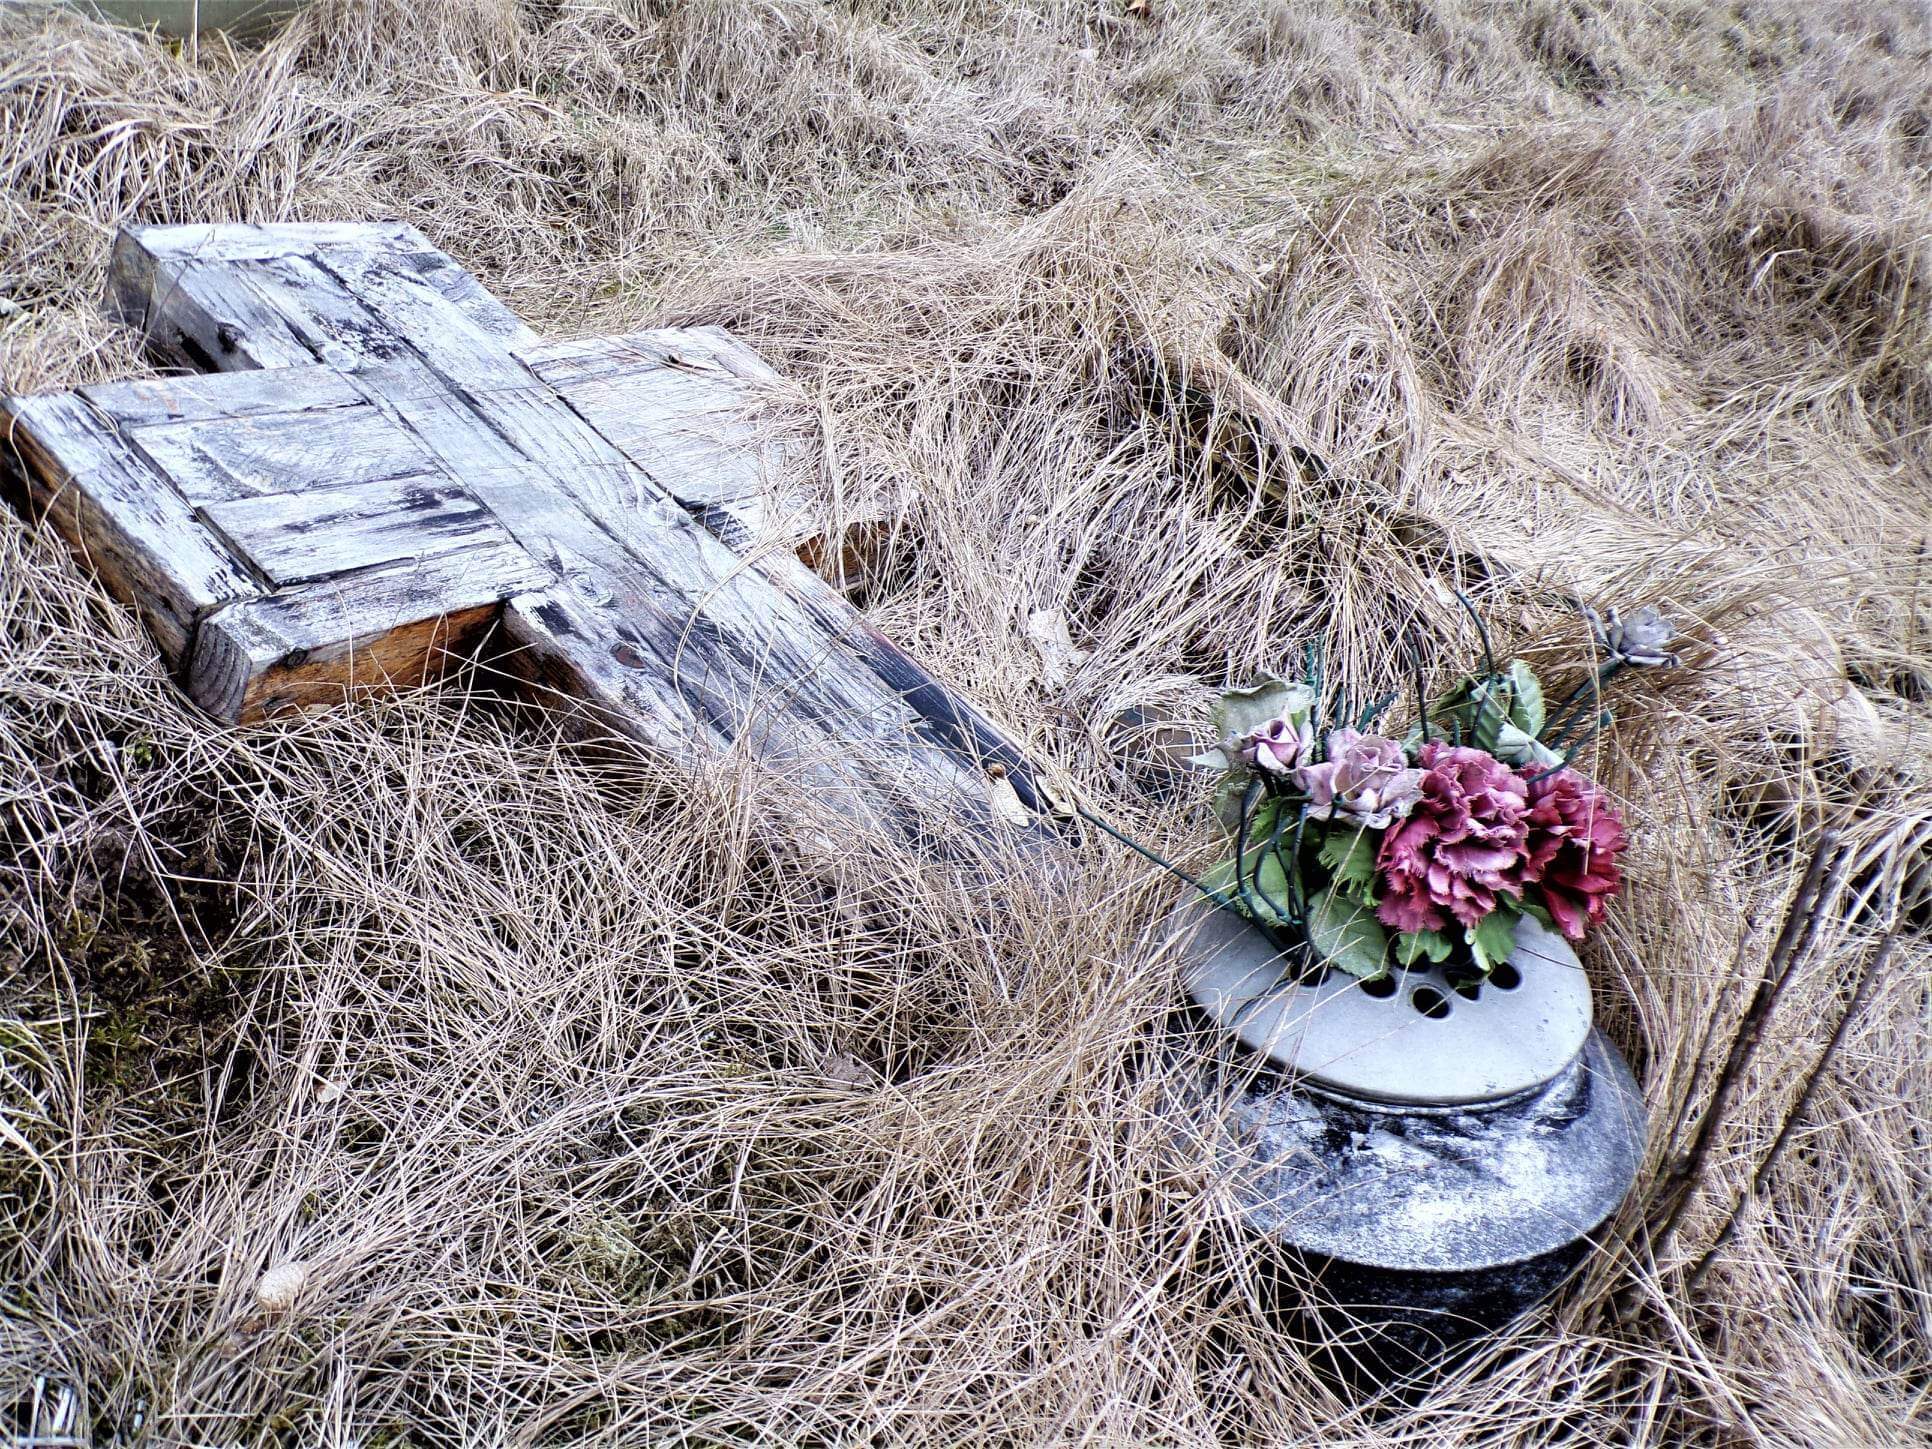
(303, 388)
(677, 402)
(219, 460)
(321, 533)
(370, 633)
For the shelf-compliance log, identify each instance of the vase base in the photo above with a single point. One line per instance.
(1427, 1226)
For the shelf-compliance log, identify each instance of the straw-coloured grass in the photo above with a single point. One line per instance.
(598, 1109)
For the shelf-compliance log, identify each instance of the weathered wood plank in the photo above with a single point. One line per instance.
(770, 631)
(234, 241)
(676, 402)
(324, 532)
(200, 397)
(579, 360)
(203, 318)
(705, 651)
(518, 462)
(727, 650)
(369, 633)
(120, 515)
(134, 297)
(457, 285)
(681, 402)
(616, 683)
(221, 460)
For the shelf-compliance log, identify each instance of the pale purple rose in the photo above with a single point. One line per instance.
(1276, 747)
(1365, 778)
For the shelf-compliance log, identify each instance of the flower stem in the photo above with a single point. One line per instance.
(1590, 689)
(1220, 898)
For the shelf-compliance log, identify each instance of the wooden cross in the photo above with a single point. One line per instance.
(388, 472)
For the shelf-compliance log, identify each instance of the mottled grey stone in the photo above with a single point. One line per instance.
(248, 19)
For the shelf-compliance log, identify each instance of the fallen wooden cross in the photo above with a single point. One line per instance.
(389, 472)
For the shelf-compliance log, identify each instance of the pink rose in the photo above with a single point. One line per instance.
(1464, 840)
(1276, 747)
(1575, 836)
(1365, 777)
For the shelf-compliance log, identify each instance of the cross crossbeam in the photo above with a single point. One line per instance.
(370, 469)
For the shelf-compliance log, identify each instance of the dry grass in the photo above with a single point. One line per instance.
(599, 1113)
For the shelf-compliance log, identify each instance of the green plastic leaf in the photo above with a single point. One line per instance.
(1412, 946)
(1347, 936)
(1349, 857)
(1491, 703)
(1265, 878)
(1476, 709)
(1512, 746)
(1526, 698)
(1455, 708)
(1269, 877)
(1494, 937)
(1261, 824)
(1227, 800)
(1243, 711)
(1542, 756)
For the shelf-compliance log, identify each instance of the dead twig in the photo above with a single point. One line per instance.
(1761, 1179)
(1800, 923)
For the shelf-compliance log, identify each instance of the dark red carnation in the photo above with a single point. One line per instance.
(1575, 836)
(1465, 840)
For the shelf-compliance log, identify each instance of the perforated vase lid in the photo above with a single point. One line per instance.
(1419, 1044)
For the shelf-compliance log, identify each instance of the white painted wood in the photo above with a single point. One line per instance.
(207, 321)
(132, 293)
(121, 516)
(198, 397)
(321, 533)
(679, 403)
(233, 241)
(701, 350)
(690, 406)
(223, 459)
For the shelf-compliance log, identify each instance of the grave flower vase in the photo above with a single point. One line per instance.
(1441, 1156)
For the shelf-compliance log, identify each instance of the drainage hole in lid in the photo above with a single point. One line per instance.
(1467, 989)
(1430, 1002)
(1505, 977)
(1382, 987)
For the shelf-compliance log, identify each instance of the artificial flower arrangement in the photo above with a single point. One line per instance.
(1378, 852)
